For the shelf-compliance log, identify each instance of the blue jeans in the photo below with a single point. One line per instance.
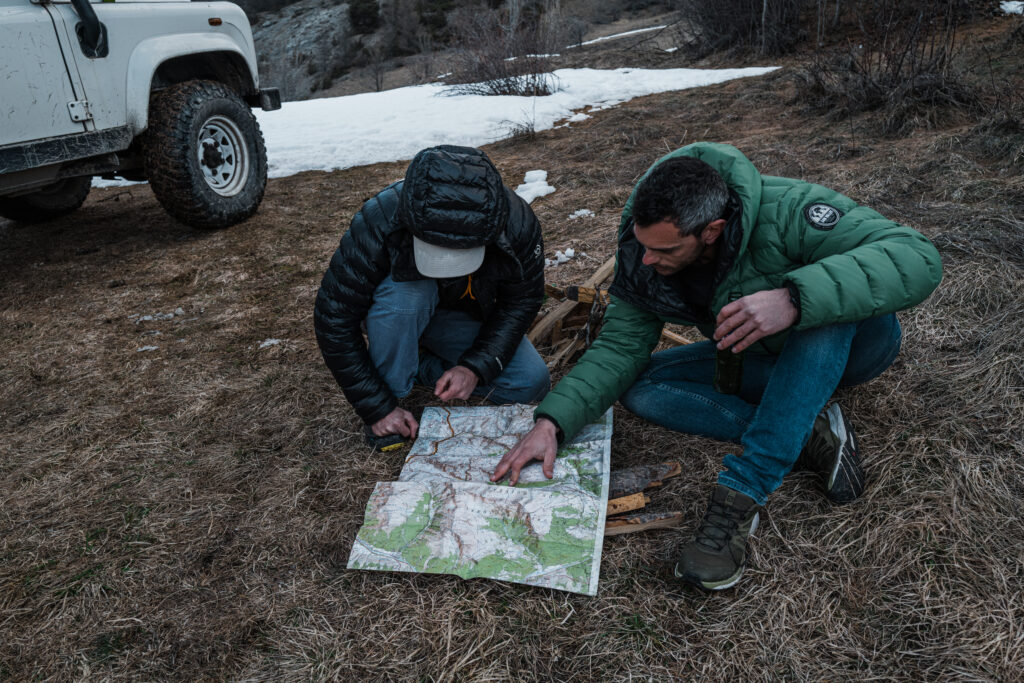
(780, 396)
(404, 317)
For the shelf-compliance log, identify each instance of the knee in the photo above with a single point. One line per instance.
(412, 297)
(536, 382)
(826, 334)
(635, 398)
(529, 385)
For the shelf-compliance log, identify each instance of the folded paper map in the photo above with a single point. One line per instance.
(444, 516)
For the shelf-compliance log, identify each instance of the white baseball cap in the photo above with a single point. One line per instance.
(442, 262)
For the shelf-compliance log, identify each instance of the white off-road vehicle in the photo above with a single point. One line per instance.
(156, 90)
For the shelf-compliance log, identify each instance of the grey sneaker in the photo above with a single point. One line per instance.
(831, 452)
(715, 558)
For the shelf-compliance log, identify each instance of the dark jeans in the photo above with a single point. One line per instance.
(412, 340)
(780, 396)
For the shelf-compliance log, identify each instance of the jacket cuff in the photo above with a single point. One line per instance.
(482, 373)
(380, 413)
(794, 298)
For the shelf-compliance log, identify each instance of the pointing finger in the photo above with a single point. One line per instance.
(516, 467)
(502, 467)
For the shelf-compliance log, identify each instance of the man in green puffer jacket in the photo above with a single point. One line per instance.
(798, 278)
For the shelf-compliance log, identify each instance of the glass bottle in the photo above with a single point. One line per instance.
(729, 366)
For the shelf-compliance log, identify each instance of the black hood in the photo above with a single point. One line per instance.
(453, 197)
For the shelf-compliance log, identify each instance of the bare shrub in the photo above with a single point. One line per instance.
(376, 64)
(1000, 135)
(517, 132)
(501, 52)
(423, 67)
(903, 66)
(769, 28)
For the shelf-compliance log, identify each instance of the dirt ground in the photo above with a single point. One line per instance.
(179, 495)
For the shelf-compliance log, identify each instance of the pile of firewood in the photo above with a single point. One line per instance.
(626, 494)
(569, 328)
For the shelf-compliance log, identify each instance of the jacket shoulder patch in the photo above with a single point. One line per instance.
(822, 216)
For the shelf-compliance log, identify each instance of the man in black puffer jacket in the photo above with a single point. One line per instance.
(446, 267)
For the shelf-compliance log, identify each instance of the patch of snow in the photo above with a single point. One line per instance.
(619, 35)
(269, 342)
(671, 49)
(579, 116)
(154, 317)
(1012, 7)
(147, 348)
(512, 59)
(535, 184)
(368, 128)
(582, 213)
(560, 257)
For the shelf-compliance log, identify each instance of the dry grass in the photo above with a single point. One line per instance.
(186, 513)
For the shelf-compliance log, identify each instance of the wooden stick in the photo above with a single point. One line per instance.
(543, 328)
(632, 480)
(627, 503)
(629, 524)
(583, 295)
(565, 352)
(677, 339)
(586, 295)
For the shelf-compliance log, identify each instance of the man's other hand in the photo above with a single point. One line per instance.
(398, 421)
(750, 318)
(457, 382)
(540, 443)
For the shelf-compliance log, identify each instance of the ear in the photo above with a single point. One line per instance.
(712, 231)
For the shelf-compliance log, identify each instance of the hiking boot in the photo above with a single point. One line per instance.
(388, 442)
(831, 452)
(715, 558)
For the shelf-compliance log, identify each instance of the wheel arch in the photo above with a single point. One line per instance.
(162, 61)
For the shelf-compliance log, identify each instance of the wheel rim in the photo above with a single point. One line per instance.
(223, 156)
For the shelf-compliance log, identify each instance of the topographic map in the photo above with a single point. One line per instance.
(444, 516)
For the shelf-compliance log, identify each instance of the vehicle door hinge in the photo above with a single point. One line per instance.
(79, 110)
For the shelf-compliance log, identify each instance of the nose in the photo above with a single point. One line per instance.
(649, 259)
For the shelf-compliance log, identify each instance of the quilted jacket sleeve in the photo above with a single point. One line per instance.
(517, 300)
(864, 266)
(359, 264)
(609, 367)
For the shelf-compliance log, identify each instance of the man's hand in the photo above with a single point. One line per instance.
(540, 443)
(398, 421)
(457, 382)
(757, 315)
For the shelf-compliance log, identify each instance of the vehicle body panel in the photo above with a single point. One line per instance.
(35, 86)
(142, 36)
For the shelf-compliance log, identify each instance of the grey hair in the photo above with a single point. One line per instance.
(683, 190)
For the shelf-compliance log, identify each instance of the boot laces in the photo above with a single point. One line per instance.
(719, 526)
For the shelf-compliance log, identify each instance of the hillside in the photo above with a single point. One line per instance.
(186, 512)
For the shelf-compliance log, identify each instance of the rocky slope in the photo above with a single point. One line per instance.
(303, 46)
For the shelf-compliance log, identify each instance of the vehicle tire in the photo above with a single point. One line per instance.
(203, 153)
(46, 203)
